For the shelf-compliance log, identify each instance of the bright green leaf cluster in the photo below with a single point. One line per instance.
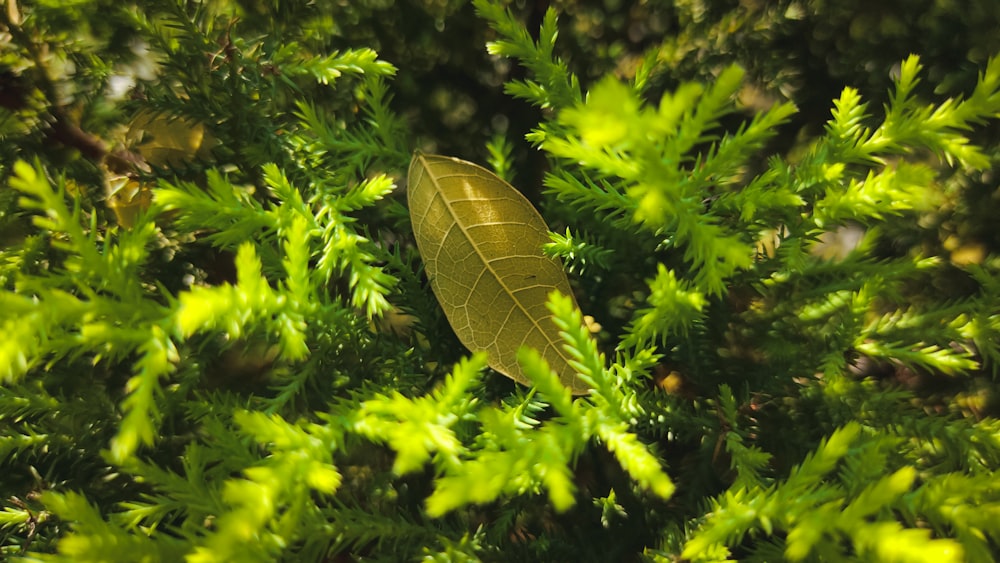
(511, 457)
(328, 69)
(555, 86)
(810, 507)
(649, 154)
(577, 253)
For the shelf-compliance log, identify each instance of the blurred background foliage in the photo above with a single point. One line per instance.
(450, 91)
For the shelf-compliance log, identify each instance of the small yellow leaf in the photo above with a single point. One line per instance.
(127, 198)
(166, 141)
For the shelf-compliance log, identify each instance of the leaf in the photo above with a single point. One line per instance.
(128, 198)
(481, 242)
(170, 141)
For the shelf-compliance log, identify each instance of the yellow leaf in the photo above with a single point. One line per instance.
(481, 243)
(167, 141)
(127, 198)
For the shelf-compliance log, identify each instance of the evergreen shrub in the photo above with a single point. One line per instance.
(217, 342)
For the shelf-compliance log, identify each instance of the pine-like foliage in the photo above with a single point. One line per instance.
(216, 343)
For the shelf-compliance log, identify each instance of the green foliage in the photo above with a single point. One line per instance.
(217, 343)
(577, 253)
(553, 86)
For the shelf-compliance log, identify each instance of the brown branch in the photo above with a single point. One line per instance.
(62, 129)
(67, 133)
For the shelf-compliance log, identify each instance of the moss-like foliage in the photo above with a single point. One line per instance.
(217, 342)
